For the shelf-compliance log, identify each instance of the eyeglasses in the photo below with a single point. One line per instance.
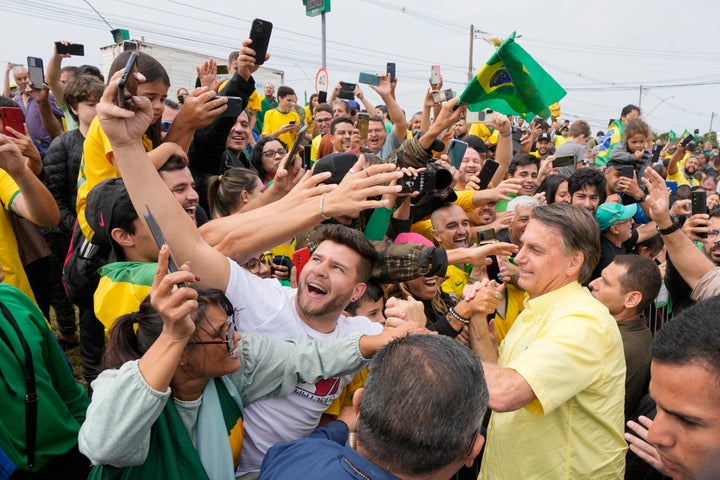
(165, 126)
(272, 153)
(252, 265)
(229, 335)
(323, 120)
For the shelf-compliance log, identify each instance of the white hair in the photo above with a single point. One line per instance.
(523, 201)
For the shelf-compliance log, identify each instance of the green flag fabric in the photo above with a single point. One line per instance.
(672, 136)
(513, 83)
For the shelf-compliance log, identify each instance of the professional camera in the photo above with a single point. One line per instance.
(435, 180)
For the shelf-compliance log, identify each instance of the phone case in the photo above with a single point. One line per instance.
(260, 34)
(36, 72)
(300, 258)
(368, 78)
(456, 152)
(12, 117)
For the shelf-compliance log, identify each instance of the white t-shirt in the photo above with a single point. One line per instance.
(268, 308)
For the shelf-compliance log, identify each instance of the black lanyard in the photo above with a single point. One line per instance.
(31, 397)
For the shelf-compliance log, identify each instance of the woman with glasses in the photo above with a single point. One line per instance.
(266, 156)
(182, 345)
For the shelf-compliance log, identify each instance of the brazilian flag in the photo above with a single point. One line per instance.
(513, 83)
(671, 136)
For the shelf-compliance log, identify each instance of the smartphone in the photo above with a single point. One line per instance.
(282, 260)
(487, 172)
(699, 205)
(564, 161)
(391, 70)
(656, 152)
(486, 116)
(322, 96)
(296, 145)
(368, 78)
(12, 117)
(363, 122)
(347, 91)
(260, 31)
(300, 258)
(627, 171)
(435, 74)
(487, 235)
(456, 152)
(127, 86)
(443, 96)
(234, 106)
(36, 72)
(493, 270)
(222, 70)
(71, 49)
(160, 240)
(686, 141)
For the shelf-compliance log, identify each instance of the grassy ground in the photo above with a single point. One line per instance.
(73, 354)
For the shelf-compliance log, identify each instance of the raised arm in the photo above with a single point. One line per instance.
(52, 76)
(689, 260)
(34, 202)
(124, 129)
(397, 117)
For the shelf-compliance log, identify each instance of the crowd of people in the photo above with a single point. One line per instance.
(354, 310)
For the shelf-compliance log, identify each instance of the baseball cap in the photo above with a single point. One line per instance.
(608, 214)
(105, 202)
(544, 136)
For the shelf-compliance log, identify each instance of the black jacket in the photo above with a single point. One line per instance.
(61, 165)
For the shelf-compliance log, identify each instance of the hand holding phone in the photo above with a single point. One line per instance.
(487, 172)
(69, 49)
(160, 240)
(36, 72)
(296, 145)
(127, 86)
(300, 258)
(456, 152)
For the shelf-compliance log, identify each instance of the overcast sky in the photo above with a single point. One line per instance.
(600, 52)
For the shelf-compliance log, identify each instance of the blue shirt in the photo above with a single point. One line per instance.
(322, 454)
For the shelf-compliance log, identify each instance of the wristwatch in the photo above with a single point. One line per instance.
(676, 225)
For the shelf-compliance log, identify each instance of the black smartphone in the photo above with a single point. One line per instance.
(234, 106)
(322, 96)
(347, 91)
(686, 141)
(222, 70)
(391, 70)
(493, 270)
(260, 31)
(296, 145)
(564, 161)
(71, 49)
(487, 172)
(656, 152)
(127, 86)
(160, 240)
(363, 123)
(456, 152)
(486, 235)
(627, 171)
(699, 205)
(36, 72)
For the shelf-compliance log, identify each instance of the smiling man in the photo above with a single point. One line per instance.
(557, 381)
(525, 167)
(451, 229)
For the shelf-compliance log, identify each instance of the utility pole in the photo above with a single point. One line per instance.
(712, 114)
(322, 39)
(470, 60)
(640, 98)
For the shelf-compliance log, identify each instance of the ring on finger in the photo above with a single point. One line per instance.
(352, 170)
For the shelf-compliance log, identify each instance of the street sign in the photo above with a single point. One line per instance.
(314, 8)
(321, 80)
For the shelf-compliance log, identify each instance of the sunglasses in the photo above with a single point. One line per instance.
(229, 340)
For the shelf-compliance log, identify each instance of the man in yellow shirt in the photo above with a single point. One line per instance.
(557, 380)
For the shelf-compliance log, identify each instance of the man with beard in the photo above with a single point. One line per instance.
(685, 174)
(695, 226)
(379, 141)
(543, 146)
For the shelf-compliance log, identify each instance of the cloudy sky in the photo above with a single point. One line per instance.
(600, 52)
